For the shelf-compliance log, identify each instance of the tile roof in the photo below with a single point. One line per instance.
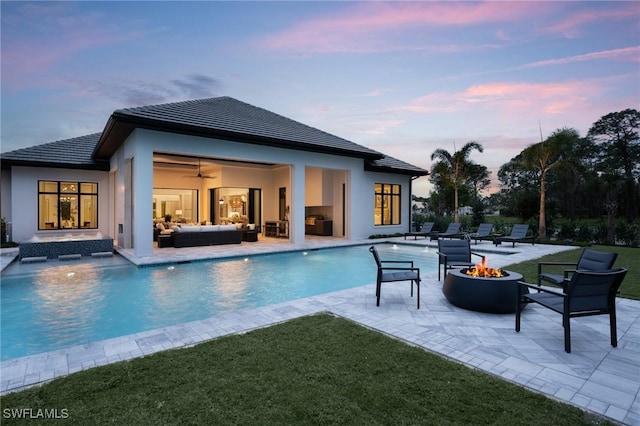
(67, 153)
(222, 118)
(229, 118)
(393, 165)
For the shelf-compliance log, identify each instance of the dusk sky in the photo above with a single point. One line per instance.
(404, 78)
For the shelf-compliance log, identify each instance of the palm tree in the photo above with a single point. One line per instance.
(454, 169)
(543, 157)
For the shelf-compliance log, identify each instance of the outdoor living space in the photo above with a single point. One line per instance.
(594, 377)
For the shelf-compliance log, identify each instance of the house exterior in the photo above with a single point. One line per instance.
(215, 160)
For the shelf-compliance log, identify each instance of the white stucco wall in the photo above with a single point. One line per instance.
(24, 200)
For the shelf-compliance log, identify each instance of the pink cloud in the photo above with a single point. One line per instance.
(359, 28)
(39, 36)
(380, 127)
(508, 97)
(571, 25)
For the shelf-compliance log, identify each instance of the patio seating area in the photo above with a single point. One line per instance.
(594, 377)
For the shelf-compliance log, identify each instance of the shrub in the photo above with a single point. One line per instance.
(586, 232)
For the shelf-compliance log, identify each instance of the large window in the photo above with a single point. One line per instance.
(175, 205)
(387, 204)
(67, 205)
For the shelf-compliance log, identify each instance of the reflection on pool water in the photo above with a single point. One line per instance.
(79, 303)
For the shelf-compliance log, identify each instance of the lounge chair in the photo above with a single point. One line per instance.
(590, 260)
(425, 231)
(387, 274)
(453, 231)
(483, 233)
(455, 253)
(586, 294)
(518, 235)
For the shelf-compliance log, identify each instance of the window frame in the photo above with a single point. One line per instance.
(80, 193)
(387, 204)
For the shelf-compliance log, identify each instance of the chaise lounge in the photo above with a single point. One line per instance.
(483, 233)
(425, 231)
(518, 235)
(453, 231)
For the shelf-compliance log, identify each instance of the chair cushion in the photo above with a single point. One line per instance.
(554, 278)
(399, 276)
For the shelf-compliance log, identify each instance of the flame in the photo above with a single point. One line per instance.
(481, 270)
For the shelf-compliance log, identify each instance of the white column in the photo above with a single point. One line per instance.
(296, 213)
(142, 198)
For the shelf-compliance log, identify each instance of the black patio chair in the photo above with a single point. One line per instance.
(590, 260)
(425, 231)
(518, 235)
(387, 274)
(483, 233)
(585, 294)
(455, 253)
(453, 231)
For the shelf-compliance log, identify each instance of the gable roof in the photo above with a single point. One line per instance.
(215, 118)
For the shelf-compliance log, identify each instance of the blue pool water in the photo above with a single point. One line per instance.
(78, 303)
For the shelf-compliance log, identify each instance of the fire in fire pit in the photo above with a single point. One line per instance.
(481, 270)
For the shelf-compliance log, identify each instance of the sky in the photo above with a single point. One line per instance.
(403, 78)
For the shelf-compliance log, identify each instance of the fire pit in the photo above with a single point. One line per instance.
(482, 289)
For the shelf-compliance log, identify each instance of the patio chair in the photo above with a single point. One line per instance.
(425, 231)
(483, 232)
(590, 260)
(586, 294)
(387, 274)
(455, 254)
(518, 235)
(453, 230)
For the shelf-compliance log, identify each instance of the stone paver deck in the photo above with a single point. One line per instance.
(594, 377)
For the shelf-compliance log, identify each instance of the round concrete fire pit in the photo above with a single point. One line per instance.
(493, 295)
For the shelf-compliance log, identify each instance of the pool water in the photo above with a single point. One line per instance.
(78, 303)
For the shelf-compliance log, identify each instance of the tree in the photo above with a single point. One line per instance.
(617, 135)
(453, 169)
(543, 157)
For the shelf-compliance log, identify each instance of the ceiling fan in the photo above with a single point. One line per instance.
(200, 175)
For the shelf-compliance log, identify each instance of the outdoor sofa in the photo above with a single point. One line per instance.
(205, 235)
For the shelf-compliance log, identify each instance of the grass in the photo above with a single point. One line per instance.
(627, 258)
(312, 370)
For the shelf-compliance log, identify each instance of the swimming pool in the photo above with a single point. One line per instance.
(78, 303)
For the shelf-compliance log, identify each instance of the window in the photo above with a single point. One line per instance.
(67, 205)
(387, 204)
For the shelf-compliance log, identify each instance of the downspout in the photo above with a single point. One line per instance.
(410, 199)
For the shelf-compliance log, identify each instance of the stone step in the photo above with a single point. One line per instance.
(33, 259)
(70, 256)
(102, 254)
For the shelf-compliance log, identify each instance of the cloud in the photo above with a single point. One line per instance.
(623, 54)
(197, 85)
(380, 127)
(366, 27)
(39, 36)
(571, 25)
(130, 93)
(507, 97)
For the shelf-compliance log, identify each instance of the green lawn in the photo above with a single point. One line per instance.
(313, 370)
(628, 257)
